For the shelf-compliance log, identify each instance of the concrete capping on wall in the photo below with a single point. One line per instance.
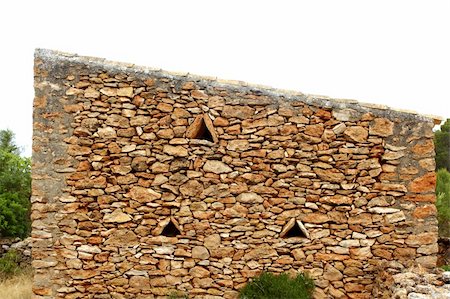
(52, 56)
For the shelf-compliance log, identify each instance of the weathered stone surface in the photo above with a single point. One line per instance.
(332, 274)
(140, 120)
(240, 112)
(143, 194)
(426, 183)
(177, 151)
(395, 217)
(199, 272)
(107, 132)
(89, 249)
(125, 92)
(140, 282)
(421, 239)
(314, 130)
(215, 166)
(381, 127)
(121, 237)
(330, 175)
(117, 217)
(249, 197)
(115, 120)
(424, 148)
(315, 218)
(238, 145)
(212, 241)
(346, 115)
(261, 252)
(200, 252)
(425, 211)
(191, 188)
(199, 94)
(91, 93)
(356, 134)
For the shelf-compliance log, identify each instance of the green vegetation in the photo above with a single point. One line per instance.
(271, 286)
(177, 295)
(15, 189)
(442, 146)
(446, 267)
(443, 202)
(9, 264)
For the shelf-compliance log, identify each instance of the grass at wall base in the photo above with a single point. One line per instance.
(272, 286)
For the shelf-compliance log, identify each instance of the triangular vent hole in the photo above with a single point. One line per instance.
(294, 229)
(202, 128)
(204, 133)
(170, 230)
(168, 227)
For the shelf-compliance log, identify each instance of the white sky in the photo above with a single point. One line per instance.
(388, 52)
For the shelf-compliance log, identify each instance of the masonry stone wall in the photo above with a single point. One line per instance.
(145, 182)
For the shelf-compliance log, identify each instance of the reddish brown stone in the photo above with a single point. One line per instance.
(424, 148)
(314, 130)
(425, 211)
(221, 122)
(315, 218)
(426, 183)
(420, 197)
(330, 175)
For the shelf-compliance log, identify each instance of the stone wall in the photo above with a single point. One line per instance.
(146, 181)
(413, 283)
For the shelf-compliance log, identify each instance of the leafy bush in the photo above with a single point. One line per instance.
(14, 215)
(15, 189)
(271, 286)
(443, 202)
(446, 267)
(442, 146)
(10, 264)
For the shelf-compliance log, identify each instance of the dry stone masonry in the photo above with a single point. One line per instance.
(146, 182)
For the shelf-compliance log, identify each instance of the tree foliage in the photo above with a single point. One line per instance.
(15, 188)
(443, 202)
(442, 146)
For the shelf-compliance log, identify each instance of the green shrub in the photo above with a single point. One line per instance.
(442, 146)
(443, 202)
(15, 189)
(446, 267)
(10, 264)
(271, 286)
(177, 295)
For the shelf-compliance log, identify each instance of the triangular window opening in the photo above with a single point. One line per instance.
(203, 132)
(202, 128)
(170, 230)
(294, 229)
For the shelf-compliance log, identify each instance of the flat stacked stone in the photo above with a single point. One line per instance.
(115, 158)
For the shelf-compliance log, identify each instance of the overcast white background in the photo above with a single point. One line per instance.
(388, 52)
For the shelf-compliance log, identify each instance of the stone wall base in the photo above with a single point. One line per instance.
(414, 282)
